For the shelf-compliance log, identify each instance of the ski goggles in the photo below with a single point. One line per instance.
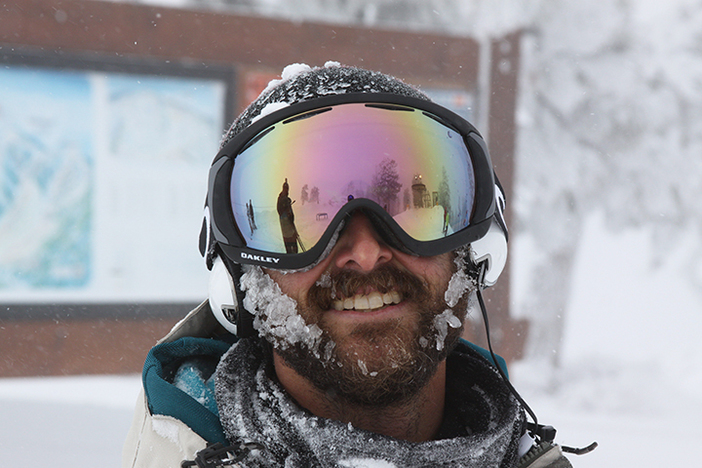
(279, 190)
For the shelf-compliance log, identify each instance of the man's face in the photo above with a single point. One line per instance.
(384, 321)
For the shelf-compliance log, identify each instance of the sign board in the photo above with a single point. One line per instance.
(102, 183)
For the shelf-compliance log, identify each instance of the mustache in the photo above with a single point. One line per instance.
(347, 283)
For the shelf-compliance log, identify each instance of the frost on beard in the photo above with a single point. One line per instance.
(460, 281)
(442, 323)
(459, 284)
(275, 314)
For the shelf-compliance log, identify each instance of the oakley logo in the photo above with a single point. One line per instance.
(259, 258)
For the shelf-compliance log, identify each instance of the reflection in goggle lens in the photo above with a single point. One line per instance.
(287, 186)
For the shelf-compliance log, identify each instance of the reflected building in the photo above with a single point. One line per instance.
(420, 196)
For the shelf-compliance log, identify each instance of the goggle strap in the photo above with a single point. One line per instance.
(244, 319)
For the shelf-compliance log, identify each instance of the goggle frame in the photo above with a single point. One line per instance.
(225, 235)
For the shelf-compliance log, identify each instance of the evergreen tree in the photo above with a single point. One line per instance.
(385, 184)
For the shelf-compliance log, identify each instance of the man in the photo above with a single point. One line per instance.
(287, 219)
(349, 353)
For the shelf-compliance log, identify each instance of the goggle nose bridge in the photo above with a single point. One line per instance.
(378, 217)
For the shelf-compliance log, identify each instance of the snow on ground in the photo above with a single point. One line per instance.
(63, 422)
(629, 377)
(631, 361)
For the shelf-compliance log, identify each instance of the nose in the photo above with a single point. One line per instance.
(360, 247)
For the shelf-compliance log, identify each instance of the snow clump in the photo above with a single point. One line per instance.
(442, 322)
(269, 109)
(289, 72)
(276, 315)
(166, 427)
(460, 281)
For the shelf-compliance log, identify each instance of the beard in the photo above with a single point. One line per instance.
(378, 364)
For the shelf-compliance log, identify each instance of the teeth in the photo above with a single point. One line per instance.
(395, 297)
(361, 302)
(387, 298)
(374, 300)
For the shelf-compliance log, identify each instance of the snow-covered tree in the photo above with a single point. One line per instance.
(304, 194)
(386, 184)
(445, 190)
(609, 120)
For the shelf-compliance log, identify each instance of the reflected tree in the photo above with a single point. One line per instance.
(386, 184)
(445, 191)
(304, 194)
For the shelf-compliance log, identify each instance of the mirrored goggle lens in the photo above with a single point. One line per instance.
(296, 175)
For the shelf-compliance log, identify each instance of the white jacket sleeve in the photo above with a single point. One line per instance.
(157, 441)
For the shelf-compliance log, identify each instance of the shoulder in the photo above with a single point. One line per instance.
(172, 418)
(164, 397)
(532, 455)
(466, 347)
(156, 441)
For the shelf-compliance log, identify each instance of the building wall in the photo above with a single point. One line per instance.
(245, 53)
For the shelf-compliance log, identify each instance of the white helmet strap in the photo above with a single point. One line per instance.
(221, 296)
(492, 247)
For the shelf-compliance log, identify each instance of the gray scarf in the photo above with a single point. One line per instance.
(255, 408)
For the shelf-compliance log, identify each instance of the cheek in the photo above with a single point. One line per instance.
(294, 285)
(436, 271)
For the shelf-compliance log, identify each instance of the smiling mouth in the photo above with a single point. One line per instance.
(374, 300)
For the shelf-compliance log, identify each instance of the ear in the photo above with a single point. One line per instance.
(222, 297)
(492, 247)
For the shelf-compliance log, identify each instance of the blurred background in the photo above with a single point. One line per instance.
(111, 112)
